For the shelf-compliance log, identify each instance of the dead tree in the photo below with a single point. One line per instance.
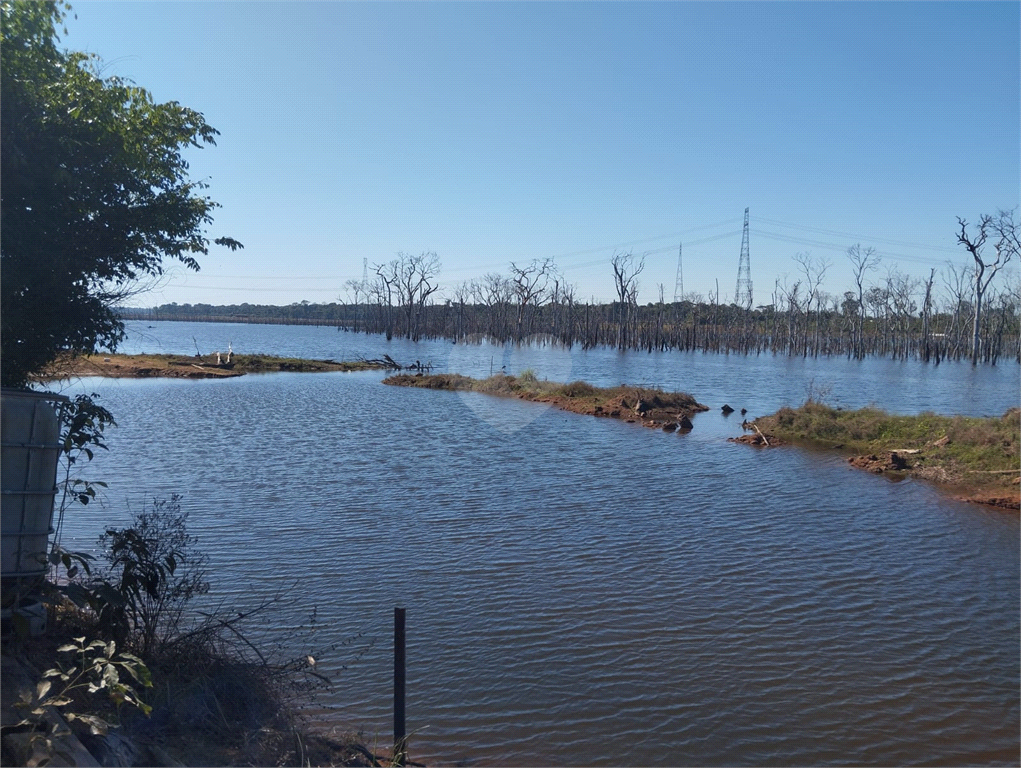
(625, 277)
(955, 281)
(901, 289)
(926, 314)
(1004, 231)
(382, 289)
(862, 260)
(814, 270)
(528, 285)
(416, 275)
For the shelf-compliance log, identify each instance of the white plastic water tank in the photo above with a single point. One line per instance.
(30, 445)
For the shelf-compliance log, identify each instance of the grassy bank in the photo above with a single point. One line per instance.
(977, 458)
(194, 367)
(651, 407)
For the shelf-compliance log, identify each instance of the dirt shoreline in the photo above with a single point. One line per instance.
(970, 459)
(653, 408)
(195, 367)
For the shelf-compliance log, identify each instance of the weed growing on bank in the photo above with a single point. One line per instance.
(212, 694)
(965, 447)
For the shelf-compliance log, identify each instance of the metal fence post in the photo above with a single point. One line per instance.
(400, 747)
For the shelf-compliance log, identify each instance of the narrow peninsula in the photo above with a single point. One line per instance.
(669, 411)
(196, 366)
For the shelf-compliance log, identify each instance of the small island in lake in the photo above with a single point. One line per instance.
(215, 366)
(669, 411)
(974, 458)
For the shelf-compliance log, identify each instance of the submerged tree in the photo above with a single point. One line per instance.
(1003, 230)
(409, 281)
(625, 279)
(862, 260)
(528, 285)
(94, 193)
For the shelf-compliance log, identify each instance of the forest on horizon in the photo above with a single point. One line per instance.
(898, 317)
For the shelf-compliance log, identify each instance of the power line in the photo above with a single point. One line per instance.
(576, 265)
(603, 261)
(859, 238)
(840, 248)
(623, 244)
(300, 289)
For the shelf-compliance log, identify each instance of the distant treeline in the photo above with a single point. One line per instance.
(964, 315)
(891, 327)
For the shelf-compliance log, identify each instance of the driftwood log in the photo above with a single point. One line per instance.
(390, 364)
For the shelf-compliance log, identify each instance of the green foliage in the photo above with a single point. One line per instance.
(153, 572)
(95, 193)
(84, 422)
(95, 669)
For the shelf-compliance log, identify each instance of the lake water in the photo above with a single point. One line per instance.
(583, 591)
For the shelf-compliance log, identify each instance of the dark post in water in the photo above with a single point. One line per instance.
(399, 753)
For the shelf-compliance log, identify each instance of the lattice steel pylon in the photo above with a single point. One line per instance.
(679, 282)
(365, 291)
(743, 292)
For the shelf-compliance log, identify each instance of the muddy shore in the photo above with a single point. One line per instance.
(195, 367)
(971, 459)
(653, 408)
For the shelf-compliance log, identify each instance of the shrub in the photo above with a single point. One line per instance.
(153, 572)
(578, 389)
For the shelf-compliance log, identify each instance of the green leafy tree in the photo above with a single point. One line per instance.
(95, 193)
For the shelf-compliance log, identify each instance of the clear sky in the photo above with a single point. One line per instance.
(499, 132)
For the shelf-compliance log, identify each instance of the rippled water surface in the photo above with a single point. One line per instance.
(584, 591)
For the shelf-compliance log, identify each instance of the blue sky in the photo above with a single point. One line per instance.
(499, 132)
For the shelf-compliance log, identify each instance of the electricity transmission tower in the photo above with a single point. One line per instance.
(679, 283)
(365, 289)
(743, 292)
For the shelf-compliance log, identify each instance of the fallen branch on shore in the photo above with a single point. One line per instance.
(389, 364)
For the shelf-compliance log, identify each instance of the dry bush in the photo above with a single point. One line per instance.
(577, 389)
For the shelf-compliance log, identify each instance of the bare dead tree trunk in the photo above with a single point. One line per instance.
(862, 260)
(625, 275)
(1006, 246)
